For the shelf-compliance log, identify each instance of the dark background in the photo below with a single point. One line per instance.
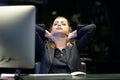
(103, 54)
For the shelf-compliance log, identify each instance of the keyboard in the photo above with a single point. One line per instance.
(50, 76)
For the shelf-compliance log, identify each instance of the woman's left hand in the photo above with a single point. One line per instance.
(72, 35)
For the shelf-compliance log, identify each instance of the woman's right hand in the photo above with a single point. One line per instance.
(48, 35)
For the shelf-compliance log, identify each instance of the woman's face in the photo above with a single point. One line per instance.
(60, 25)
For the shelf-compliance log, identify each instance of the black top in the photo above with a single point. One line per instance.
(59, 64)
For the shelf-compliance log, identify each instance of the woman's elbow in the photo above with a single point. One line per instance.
(92, 26)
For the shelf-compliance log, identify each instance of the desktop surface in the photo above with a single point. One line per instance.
(70, 77)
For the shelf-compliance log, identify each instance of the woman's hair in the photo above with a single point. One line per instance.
(52, 44)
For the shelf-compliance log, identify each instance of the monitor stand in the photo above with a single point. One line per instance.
(17, 75)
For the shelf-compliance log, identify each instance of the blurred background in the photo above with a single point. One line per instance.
(103, 53)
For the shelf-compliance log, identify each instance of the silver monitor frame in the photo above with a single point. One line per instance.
(17, 36)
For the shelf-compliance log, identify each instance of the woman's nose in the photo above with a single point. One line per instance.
(59, 24)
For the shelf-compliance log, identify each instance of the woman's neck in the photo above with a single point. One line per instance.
(60, 41)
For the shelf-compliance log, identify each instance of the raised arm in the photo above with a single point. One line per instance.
(40, 30)
(84, 35)
(43, 33)
(40, 37)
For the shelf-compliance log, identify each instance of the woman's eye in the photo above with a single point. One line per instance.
(54, 24)
(64, 24)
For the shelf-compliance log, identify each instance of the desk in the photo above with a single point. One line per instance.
(85, 77)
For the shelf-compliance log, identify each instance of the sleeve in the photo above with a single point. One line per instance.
(39, 42)
(84, 35)
(40, 29)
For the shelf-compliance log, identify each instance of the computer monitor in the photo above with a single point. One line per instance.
(17, 36)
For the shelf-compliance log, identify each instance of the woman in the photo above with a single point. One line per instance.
(60, 48)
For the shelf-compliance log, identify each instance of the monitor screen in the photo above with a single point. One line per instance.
(17, 36)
